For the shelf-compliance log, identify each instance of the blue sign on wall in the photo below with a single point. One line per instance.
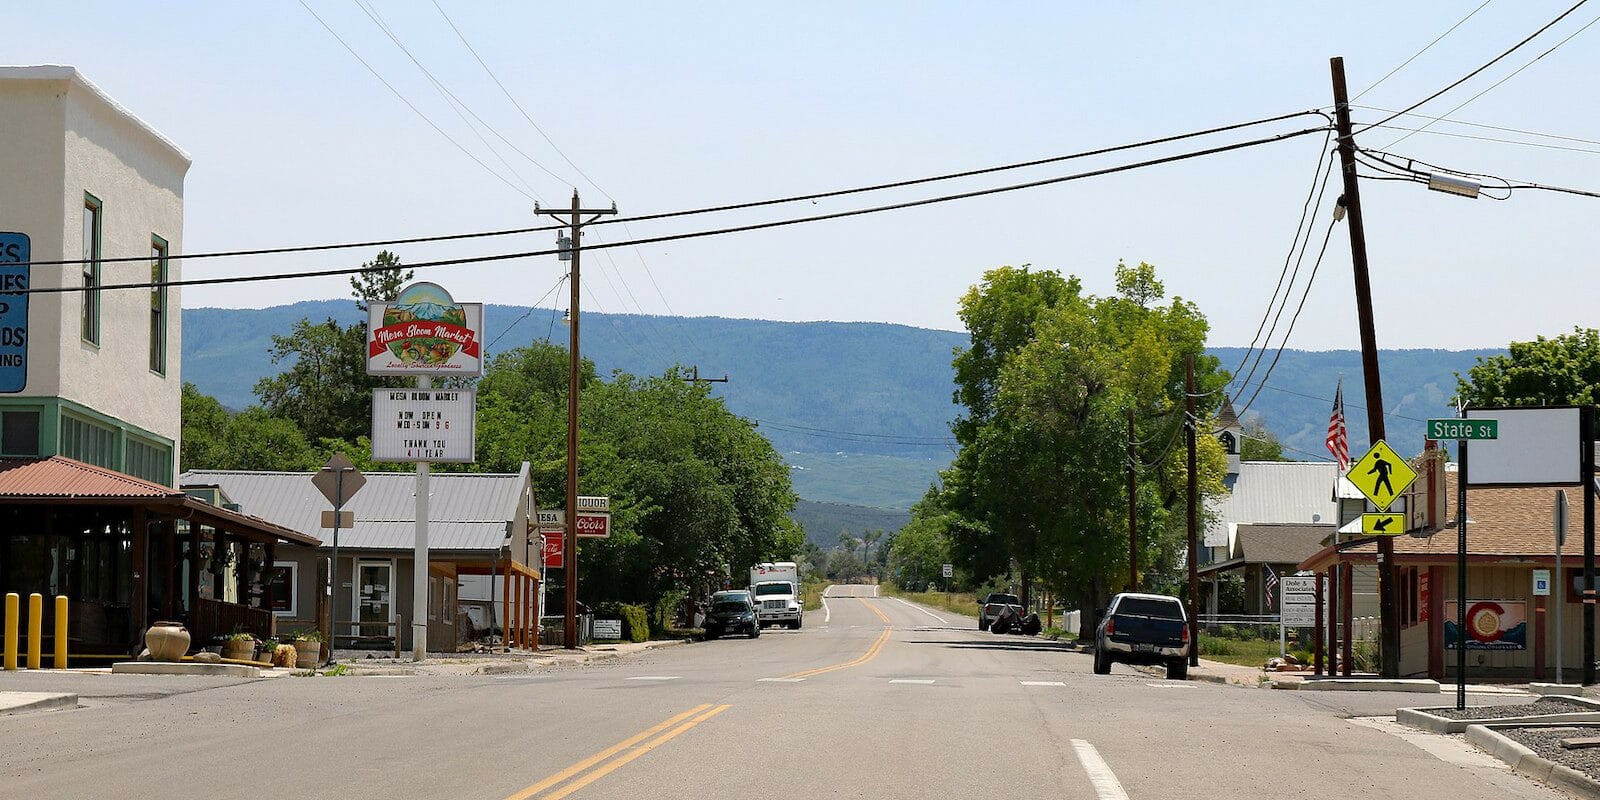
(14, 269)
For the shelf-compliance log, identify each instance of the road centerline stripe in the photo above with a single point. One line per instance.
(612, 766)
(606, 753)
(1105, 783)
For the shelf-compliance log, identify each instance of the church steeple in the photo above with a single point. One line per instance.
(1231, 434)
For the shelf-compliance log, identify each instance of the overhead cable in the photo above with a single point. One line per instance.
(1424, 49)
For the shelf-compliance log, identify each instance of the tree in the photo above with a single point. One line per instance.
(381, 285)
(1260, 443)
(1556, 371)
(252, 439)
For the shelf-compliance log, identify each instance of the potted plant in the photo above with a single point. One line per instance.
(308, 648)
(239, 646)
(265, 649)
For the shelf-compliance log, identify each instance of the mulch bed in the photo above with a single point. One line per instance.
(1544, 705)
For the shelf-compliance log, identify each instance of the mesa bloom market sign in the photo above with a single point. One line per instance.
(425, 332)
(433, 425)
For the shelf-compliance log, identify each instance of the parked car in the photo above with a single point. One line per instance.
(1143, 629)
(732, 612)
(995, 603)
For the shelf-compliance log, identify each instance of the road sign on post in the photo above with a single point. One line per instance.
(1463, 429)
(1382, 475)
(1383, 523)
(338, 480)
(949, 571)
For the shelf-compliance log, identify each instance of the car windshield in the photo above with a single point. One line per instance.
(1008, 599)
(1150, 607)
(730, 606)
(763, 589)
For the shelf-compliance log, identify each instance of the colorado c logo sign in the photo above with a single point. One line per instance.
(1483, 621)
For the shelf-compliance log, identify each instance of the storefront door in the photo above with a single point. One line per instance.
(374, 598)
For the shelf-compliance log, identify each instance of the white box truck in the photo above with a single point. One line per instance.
(776, 587)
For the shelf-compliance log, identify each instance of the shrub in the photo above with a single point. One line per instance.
(1213, 646)
(635, 623)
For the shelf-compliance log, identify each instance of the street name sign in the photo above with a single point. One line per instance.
(597, 526)
(1382, 475)
(1385, 523)
(338, 519)
(424, 425)
(1463, 429)
(338, 480)
(1299, 601)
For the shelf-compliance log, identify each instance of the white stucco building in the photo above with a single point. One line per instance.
(83, 178)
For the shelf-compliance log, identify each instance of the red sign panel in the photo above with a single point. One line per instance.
(595, 525)
(552, 550)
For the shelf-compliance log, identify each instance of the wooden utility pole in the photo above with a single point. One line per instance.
(1133, 510)
(694, 377)
(574, 363)
(1189, 424)
(1389, 647)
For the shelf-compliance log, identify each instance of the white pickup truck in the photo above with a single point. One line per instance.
(776, 588)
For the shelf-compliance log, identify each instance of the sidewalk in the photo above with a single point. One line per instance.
(495, 663)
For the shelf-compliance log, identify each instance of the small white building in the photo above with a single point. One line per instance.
(96, 375)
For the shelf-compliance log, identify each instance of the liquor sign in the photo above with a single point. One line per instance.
(425, 332)
(551, 549)
(594, 525)
(1491, 625)
(14, 273)
(432, 425)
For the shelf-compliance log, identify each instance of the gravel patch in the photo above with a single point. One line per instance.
(1546, 742)
(1544, 705)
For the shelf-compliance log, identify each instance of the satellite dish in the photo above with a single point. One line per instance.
(1316, 517)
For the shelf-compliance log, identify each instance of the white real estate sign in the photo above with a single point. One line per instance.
(1298, 601)
(433, 425)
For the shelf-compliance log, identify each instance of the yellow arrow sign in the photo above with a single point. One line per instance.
(1382, 475)
(1384, 524)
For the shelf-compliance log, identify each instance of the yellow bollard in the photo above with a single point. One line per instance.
(13, 602)
(35, 629)
(61, 631)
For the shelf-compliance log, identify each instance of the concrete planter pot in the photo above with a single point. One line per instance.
(167, 641)
(307, 653)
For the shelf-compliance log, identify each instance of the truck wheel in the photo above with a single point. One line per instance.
(1178, 670)
(983, 624)
(795, 625)
(1102, 664)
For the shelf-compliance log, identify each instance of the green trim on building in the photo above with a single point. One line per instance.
(59, 416)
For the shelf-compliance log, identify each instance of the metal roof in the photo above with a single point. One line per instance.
(1277, 492)
(466, 511)
(62, 477)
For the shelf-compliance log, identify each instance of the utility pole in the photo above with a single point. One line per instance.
(1133, 510)
(574, 362)
(695, 378)
(1189, 424)
(1389, 648)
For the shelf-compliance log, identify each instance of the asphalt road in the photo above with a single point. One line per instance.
(874, 698)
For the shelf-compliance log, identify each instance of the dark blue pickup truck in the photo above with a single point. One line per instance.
(1143, 629)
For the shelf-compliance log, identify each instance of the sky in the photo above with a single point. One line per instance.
(670, 106)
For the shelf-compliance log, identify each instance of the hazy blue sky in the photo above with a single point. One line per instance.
(675, 105)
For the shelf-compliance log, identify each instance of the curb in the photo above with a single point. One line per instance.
(1528, 763)
(1417, 685)
(27, 702)
(1420, 718)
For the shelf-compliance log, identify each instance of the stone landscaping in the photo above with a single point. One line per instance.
(1548, 744)
(1540, 707)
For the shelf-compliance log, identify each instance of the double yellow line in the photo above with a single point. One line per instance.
(585, 775)
(872, 652)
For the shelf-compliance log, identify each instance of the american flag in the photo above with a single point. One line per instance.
(1269, 585)
(1338, 442)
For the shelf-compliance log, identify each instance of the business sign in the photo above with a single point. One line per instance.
(1424, 595)
(1541, 583)
(1535, 447)
(550, 519)
(608, 629)
(425, 332)
(551, 550)
(434, 425)
(1491, 625)
(1298, 600)
(586, 503)
(597, 526)
(14, 271)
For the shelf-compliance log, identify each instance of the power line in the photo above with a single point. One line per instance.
(1496, 84)
(1292, 320)
(1483, 125)
(1469, 76)
(526, 314)
(409, 104)
(1406, 172)
(520, 109)
(703, 233)
(1424, 49)
(1453, 135)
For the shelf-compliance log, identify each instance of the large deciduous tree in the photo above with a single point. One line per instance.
(1561, 370)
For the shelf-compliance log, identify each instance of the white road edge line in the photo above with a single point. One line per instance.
(1043, 683)
(1106, 785)
(939, 619)
(874, 590)
(654, 677)
(917, 681)
(779, 680)
(827, 613)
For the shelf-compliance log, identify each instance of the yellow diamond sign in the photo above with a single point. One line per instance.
(1382, 475)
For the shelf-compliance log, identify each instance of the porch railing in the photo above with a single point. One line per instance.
(212, 618)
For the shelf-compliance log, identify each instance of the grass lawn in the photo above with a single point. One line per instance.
(811, 594)
(1244, 652)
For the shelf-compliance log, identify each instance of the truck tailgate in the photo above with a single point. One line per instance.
(1140, 629)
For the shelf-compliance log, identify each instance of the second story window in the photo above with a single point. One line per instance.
(91, 269)
(158, 306)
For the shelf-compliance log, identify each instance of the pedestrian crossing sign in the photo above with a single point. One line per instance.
(1382, 475)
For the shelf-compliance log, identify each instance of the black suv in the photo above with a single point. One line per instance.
(732, 612)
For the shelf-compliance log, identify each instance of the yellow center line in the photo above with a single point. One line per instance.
(605, 754)
(872, 652)
(633, 754)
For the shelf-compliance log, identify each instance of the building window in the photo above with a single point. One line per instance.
(19, 433)
(88, 442)
(158, 306)
(91, 269)
(149, 460)
(284, 580)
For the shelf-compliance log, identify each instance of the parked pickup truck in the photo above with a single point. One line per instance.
(1143, 629)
